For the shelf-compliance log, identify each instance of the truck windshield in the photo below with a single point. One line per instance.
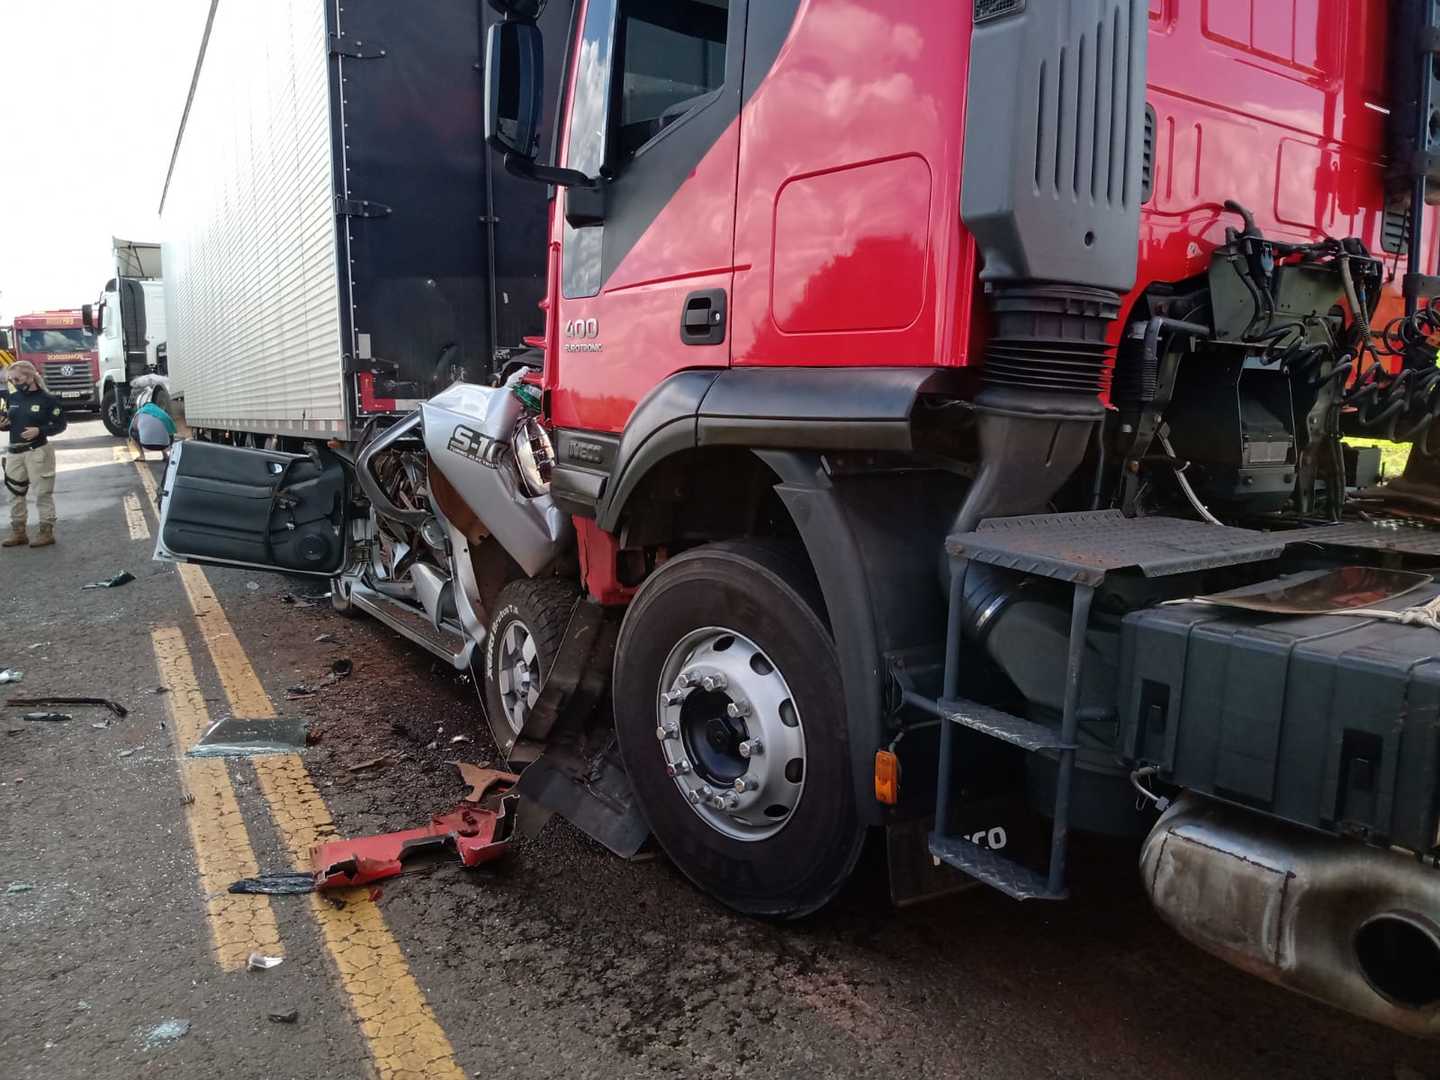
(56, 341)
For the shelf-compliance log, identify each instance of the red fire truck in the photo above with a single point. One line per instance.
(64, 352)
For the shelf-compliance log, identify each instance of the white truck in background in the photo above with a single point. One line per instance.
(129, 326)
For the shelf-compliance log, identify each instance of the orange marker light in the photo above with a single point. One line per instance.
(887, 777)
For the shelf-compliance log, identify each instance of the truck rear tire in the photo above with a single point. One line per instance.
(113, 413)
(731, 722)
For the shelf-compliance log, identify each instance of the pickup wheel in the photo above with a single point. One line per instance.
(525, 633)
(731, 722)
(113, 413)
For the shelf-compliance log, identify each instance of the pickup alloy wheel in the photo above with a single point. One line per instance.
(731, 723)
(525, 633)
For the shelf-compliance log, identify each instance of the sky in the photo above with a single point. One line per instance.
(91, 93)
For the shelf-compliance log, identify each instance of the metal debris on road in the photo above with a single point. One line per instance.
(299, 691)
(258, 961)
(482, 779)
(291, 598)
(105, 703)
(18, 887)
(283, 884)
(342, 667)
(46, 716)
(373, 763)
(101, 727)
(124, 577)
(235, 736)
(37, 645)
(459, 739)
(253, 586)
(325, 639)
(10, 675)
(476, 834)
(285, 1017)
(132, 750)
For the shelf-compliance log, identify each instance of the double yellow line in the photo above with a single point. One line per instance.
(404, 1038)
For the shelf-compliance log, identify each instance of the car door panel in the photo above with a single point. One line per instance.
(264, 509)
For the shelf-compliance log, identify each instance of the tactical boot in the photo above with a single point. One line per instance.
(16, 537)
(44, 536)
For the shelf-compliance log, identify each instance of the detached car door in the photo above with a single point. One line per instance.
(256, 508)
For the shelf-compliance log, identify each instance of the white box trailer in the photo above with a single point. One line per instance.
(336, 242)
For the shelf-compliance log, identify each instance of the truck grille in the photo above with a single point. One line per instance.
(76, 386)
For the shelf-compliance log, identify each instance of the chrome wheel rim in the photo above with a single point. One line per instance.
(518, 675)
(730, 734)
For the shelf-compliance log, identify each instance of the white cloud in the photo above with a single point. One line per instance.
(91, 93)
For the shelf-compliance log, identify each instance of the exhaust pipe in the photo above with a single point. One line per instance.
(1353, 926)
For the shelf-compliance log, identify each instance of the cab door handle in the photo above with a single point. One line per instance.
(702, 321)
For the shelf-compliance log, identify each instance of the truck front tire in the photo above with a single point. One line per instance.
(731, 723)
(113, 413)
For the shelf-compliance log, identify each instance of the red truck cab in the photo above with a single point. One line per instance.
(64, 353)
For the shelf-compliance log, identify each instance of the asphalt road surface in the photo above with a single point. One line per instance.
(122, 956)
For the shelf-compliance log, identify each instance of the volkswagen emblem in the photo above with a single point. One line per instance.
(67, 369)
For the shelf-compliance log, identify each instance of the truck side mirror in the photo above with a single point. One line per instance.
(514, 97)
(515, 63)
(87, 317)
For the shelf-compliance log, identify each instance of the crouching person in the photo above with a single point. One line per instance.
(33, 417)
(152, 429)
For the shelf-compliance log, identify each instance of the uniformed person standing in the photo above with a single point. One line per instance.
(32, 417)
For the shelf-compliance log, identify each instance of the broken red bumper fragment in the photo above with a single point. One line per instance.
(477, 834)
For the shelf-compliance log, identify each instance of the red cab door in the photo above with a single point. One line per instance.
(654, 107)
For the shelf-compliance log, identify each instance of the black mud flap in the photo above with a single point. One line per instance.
(591, 791)
(916, 876)
(577, 771)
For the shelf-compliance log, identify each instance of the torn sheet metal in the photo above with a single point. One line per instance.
(482, 779)
(1321, 592)
(475, 833)
(235, 736)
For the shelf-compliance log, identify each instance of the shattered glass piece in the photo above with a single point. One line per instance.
(236, 736)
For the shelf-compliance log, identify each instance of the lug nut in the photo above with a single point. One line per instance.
(751, 748)
(717, 802)
(680, 768)
(714, 682)
(731, 802)
(672, 697)
(668, 730)
(706, 791)
(737, 710)
(745, 784)
(693, 798)
(687, 678)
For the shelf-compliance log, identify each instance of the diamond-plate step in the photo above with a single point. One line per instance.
(992, 868)
(1003, 725)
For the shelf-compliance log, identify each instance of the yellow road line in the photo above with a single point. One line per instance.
(242, 686)
(135, 517)
(405, 1039)
(239, 924)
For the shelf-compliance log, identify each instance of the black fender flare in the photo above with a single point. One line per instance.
(822, 519)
